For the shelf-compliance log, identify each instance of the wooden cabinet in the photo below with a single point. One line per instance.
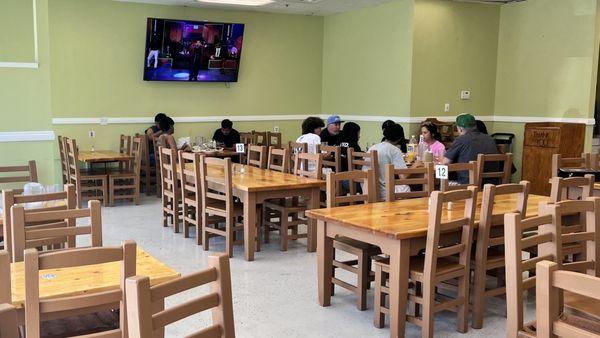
(543, 139)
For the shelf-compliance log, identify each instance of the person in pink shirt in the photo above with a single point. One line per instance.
(433, 138)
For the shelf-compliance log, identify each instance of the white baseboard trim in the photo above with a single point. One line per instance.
(358, 118)
(29, 65)
(26, 136)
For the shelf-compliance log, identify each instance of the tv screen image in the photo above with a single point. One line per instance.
(181, 50)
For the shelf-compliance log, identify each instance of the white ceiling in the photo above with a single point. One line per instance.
(314, 7)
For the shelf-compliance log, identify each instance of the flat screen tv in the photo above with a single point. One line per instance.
(181, 50)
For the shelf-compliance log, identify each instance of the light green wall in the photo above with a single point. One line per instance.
(367, 57)
(455, 48)
(545, 58)
(16, 25)
(98, 54)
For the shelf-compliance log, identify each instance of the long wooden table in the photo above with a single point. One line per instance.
(255, 185)
(399, 228)
(86, 279)
(103, 156)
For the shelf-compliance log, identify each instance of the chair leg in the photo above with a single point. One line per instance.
(362, 280)
(186, 214)
(266, 227)
(283, 231)
(379, 300)
(428, 310)
(111, 185)
(175, 215)
(137, 192)
(332, 272)
(479, 296)
(229, 222)
(462, 320)
(105, 191)
(165, 204)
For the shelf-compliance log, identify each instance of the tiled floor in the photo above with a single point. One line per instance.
(274, 296)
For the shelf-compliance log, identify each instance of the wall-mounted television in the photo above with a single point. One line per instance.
(192, 51)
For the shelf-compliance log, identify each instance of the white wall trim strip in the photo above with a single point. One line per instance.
(30, 65)
(26, 136)
(359, 118)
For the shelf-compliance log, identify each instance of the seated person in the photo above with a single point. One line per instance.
(433, 138)
(349, 139)
(311, 128)
(331, 135)
(167, 139)
(468, 145)
(153, 133)
(402, 144)
(388, 152)
(226, 134)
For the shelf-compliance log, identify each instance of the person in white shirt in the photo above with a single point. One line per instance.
(311, 129)
(388, 152)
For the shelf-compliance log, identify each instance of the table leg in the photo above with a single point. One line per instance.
(311, 240)
(324, 263)
(399, 263)
(249, 225)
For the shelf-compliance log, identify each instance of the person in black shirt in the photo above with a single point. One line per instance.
(349, 139)
(331, 135)
(227, 135)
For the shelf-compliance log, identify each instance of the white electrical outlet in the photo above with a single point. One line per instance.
(465, 95)
(276, 129)
(446, 107)
(92, 133)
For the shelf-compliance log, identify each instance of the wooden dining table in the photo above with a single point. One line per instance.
(400, 229)
(254, 185)
(103, 156)
(87, 279)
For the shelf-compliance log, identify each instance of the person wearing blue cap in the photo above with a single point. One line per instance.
(331, 135)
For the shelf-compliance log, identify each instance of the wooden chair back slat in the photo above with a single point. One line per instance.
(337, 197)
(260, 138)
(25, 237)
(8, 321)
(470, 167)
(301, 164)
(257, 156)
(62, 150)
(279, 160)
(295, 148)
(19, 174)
(550, 287)
(247, 138)
(125, 148)
(503, 174)
(66, 200)
(37, 309)
(558, 162)
(394, 177)
(332, 157)
(274, 139)
(561, 186)
(143, 322)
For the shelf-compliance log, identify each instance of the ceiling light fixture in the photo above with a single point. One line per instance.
(238, 2)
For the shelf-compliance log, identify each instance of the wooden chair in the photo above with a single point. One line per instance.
(260, 138)
(5, 279)
(361, 266)
(65, 200)
(88, 185)
(8, 321)
(127, 180)
(501, 176)
(143, 322)
(408, 177)
(171, 194)
(19, 174)
(247, 138)
(274, 139)
(155, 145)
(551, 286)
(441, 263)
(147, 167)
(37, 310)
(62, 150)
(125, 148)
(55, 228)
(332, 157)
(216, 181)
(559, 162)
(190, 193)
(571, 188)
(489, 258)
(257, 156)
(295, 148)
(284, 214)
(278, 160)
(357, 160)
(449, 185)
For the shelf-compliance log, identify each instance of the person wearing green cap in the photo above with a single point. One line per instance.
(468, 145)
